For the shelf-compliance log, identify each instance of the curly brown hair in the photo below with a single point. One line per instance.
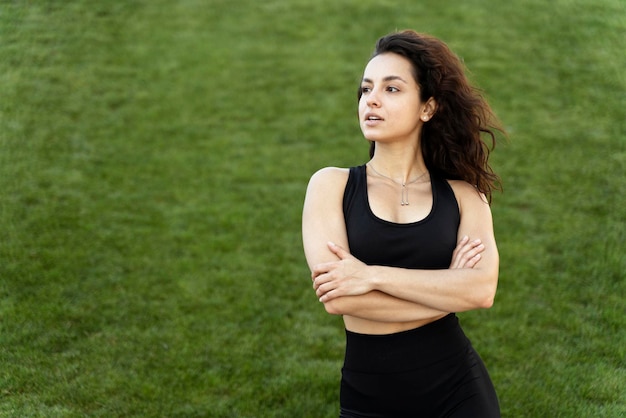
(452, 141)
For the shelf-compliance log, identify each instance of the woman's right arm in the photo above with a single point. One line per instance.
(323, 221)
(322, 215)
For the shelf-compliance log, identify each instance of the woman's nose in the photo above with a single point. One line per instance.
(372, 99)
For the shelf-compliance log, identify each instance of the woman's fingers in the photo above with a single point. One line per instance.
(472, 261)
(324, 284)
(467, 253)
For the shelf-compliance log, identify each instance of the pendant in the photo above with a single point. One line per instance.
(404, 198)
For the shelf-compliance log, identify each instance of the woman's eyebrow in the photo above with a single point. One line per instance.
(388, 78)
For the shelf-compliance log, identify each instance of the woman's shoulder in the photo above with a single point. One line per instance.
(327, 182)
(466, 192)
(330, 175)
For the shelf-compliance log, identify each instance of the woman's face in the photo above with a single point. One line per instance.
(390, 107)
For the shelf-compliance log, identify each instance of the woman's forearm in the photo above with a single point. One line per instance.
(381, 307)
(452, 290)
(444, 290)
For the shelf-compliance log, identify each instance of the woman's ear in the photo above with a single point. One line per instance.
(429, 110)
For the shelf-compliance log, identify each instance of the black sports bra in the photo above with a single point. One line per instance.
(425, 244)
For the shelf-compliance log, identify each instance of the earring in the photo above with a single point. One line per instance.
(424, 118)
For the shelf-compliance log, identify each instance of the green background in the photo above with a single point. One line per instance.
(154, 158)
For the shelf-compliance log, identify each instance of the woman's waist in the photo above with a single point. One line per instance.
(435, 341)
(369, 327)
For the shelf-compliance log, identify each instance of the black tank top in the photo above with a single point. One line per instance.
(425, 244)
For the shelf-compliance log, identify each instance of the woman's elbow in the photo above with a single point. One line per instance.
(487, 301)
(488, 295)
(333, 307)
(479, 300)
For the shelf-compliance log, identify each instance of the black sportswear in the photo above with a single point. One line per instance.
(431, 371)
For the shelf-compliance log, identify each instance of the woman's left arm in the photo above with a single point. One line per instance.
(448, 290)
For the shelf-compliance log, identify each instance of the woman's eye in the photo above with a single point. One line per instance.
(365, 89)
(392, 89)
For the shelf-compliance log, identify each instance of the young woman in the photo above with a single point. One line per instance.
(398, 245)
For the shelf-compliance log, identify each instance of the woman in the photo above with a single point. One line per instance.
(399, 244)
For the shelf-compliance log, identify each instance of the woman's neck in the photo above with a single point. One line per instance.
(402, 165)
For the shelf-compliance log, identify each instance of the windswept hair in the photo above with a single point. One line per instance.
(452, 140)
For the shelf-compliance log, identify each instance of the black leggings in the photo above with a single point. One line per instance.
(431, 371)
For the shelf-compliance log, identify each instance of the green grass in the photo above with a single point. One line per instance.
(153, 161)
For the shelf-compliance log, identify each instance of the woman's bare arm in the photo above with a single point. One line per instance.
(323, 221)
(447, 290)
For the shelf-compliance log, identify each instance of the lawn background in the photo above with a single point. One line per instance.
(153, 162)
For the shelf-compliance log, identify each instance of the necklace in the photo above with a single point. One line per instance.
(404, 194)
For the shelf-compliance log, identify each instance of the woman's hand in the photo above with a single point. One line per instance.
(345, 277)
(467, 253)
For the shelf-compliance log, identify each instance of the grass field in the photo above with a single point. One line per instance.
(153, 162)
